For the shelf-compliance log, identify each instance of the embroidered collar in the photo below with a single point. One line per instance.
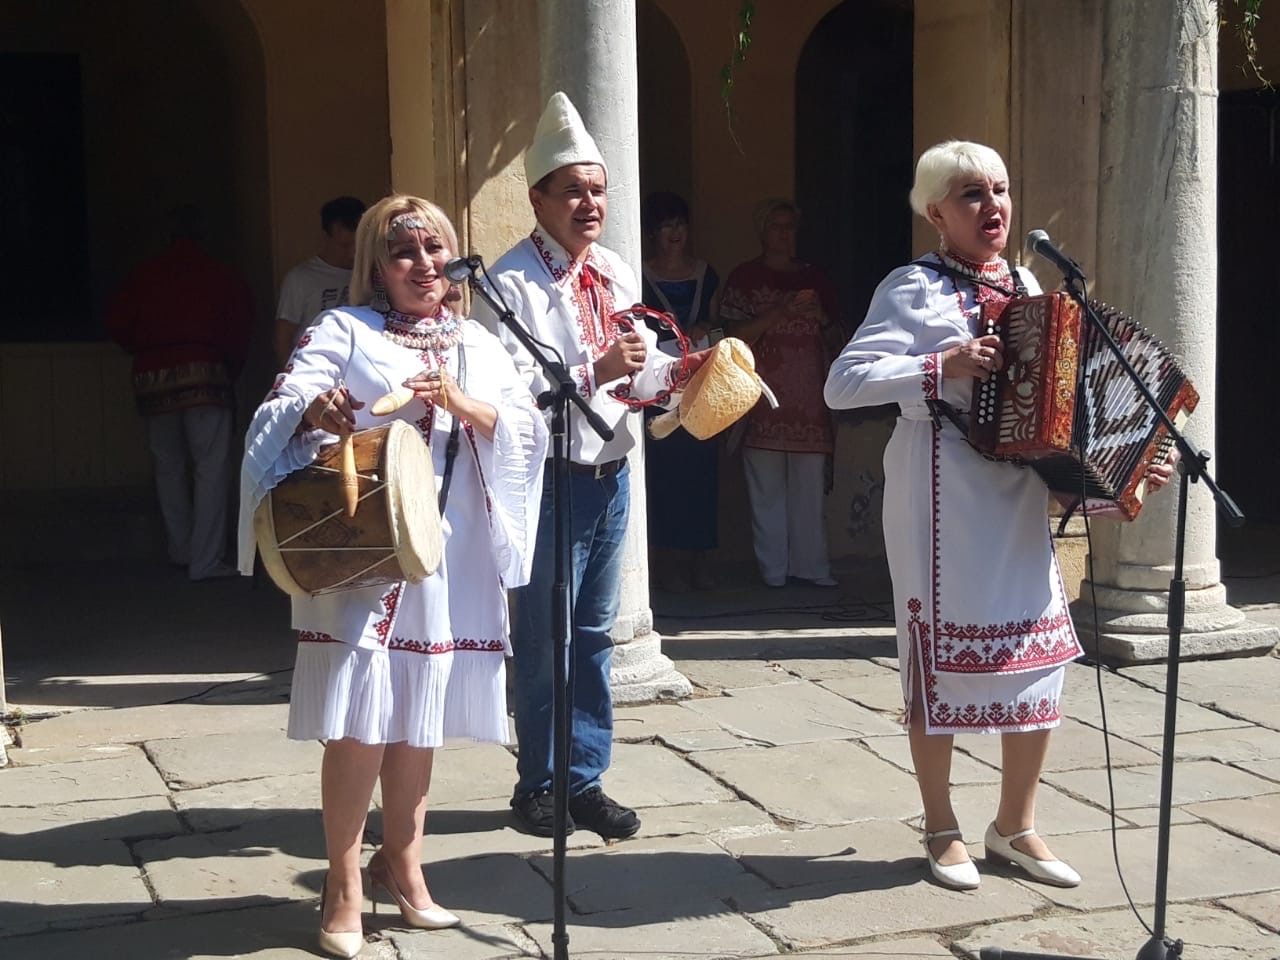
(557, 262)
(992, 271)
(437, 334)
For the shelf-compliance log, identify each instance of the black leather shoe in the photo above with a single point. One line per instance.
(536, 814)
(595, 811)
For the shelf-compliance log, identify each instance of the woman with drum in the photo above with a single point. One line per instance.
(984, 633)
(385, 673)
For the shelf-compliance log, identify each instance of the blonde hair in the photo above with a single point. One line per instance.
(372, 247)
(943, 164)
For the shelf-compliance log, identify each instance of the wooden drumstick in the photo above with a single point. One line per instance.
(350, 479)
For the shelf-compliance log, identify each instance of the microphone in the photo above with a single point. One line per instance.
(461, 268)
(1038, 242)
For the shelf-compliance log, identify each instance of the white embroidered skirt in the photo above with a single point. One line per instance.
(389, 696)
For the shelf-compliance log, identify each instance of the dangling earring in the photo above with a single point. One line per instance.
(378, 301)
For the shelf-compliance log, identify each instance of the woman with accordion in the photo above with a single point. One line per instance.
(984, 633)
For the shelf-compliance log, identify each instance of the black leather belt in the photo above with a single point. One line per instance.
(598, 470)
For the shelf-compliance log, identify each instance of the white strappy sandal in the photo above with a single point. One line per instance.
(957, 876)
(1000, 850)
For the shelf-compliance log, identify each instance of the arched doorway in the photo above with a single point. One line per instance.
(854, 145)
(665, 105)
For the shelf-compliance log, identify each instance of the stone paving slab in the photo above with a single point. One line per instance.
(697, 740)
(1263, 908)
(31, 756)
(226, 805)
(486, 942)
(649, 775)
(881, 692)
(1268, 769)
(715, 676)
(1133, 710)
(827, 782)
(253, 865)
(916, 948)
(1193, 782)
(480, 772)
(890, 904)
(284, 932)
(1243, 687)
(657, 720)
(1228, 746)
(39, 890)
(1056, 813)
(129, 775)
(480, 828)
(838, 667)
(658, 875)
(1256, 818)
(66, 825)
(1206, 932)
(221, 757)
(897, 750)
(1204, 864)
(95, 728)
(714, 820)
(1072, 746)
(706, 929)
(854, 852)
(796, 712)
(497, 889)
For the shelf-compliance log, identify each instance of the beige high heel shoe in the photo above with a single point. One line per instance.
(337, 943)
(434, 917)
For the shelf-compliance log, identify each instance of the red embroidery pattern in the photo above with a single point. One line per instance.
(315, 636)
(1007, 647)
(390, 600)
(931, 364)
(448, 646)
(549, 260)
(596, 326)
(971, 716)
(302, 342)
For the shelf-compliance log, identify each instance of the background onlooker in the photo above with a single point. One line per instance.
(786, 310)
(682, 475)
(185, 316)
(319, 283)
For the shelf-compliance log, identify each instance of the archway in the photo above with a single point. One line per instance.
(854, 145)
(665, 105)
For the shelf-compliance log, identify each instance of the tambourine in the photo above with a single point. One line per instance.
(628, 320)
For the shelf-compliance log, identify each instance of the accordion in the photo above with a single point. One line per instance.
(1063, 405)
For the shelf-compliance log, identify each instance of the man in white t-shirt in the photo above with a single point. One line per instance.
(318, 284)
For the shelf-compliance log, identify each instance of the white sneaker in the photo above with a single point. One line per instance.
(957, 876)
(1000, 850)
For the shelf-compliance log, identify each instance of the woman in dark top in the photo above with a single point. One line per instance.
(682, 476)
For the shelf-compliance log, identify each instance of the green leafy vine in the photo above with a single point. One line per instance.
(737, 57)
(1247, 31)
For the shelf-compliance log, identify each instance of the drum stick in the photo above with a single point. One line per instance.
(347, 474)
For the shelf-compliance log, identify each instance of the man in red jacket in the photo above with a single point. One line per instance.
(185, 317)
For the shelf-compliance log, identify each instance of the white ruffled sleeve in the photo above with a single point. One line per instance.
(512, 463)
(273, 448)
(881, 364)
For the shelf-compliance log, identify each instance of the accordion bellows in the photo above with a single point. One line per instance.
(725, 387)
(1063, 405)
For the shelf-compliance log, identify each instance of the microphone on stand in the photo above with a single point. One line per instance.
(460, 269)
(1038, 242)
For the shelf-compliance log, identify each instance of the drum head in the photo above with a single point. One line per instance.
(413, 502)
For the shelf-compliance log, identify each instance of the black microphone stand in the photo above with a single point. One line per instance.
(562, 392)
(1192, 466)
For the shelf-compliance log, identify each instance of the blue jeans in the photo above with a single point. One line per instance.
(597, 526)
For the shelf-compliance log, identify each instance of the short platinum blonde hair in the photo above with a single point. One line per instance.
(373, 247)
(944, 163)
(767, 207)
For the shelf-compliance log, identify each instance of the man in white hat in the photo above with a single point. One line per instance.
(563, 286)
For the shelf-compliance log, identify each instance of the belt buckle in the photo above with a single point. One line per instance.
(599, 471)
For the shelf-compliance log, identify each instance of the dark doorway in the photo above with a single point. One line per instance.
(854, 146)
(665, 105)
(1247, 458)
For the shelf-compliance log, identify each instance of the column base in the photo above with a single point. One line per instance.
(640, 672)
(1132, 626)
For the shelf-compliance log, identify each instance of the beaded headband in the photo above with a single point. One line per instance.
(405, 221)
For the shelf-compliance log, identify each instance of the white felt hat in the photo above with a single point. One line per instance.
(559, 141)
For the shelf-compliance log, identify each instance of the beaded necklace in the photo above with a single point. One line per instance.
(992, 271)
(437, 334)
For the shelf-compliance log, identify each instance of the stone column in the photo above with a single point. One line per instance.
(1157, 259)
(588, 50)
